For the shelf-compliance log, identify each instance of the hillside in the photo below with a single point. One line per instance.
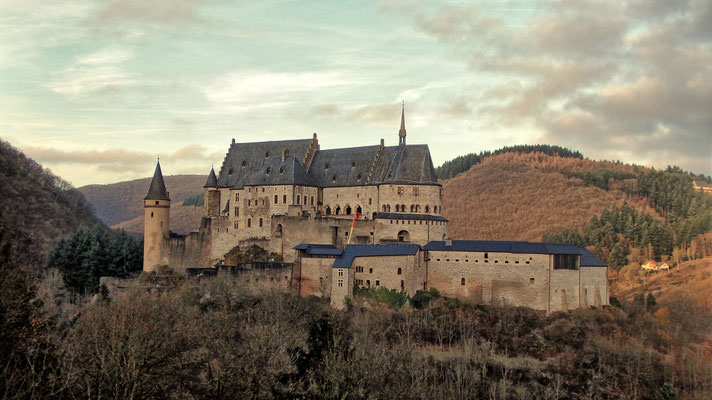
(184, 219)
(524, 196)
(37, 209)
(123, 201)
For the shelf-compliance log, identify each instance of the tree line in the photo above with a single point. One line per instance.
(461, 164)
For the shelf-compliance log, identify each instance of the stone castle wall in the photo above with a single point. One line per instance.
(420, 196)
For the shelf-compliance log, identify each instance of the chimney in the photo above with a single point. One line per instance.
(382, 142)
(285, 153)
(448, 242)
(233, 140)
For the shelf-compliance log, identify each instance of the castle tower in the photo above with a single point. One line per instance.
(157, 206)
(211, 195)
(401, 132)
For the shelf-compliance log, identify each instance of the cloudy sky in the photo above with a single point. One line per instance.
(95, 90)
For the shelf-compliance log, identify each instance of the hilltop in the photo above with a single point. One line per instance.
(37, 209)
(120, 205)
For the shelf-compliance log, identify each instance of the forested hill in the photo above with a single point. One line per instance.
(37, 209)
(123, 201)
(624, 213)
(461, 164)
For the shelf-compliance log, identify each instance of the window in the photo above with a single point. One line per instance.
(260, 222)
(400, 271)
(151, 214)
(156, 201)
(237, 211)
(378, 283)
(249, 222)
(412, 208)
(298, 197)
(341, 272)
(359, 269)
(237, 196)
(341, 283)
(462, 281)
(427, 209)
(400, 189)
(263, 190)
(236, 225)
(370, 270)
(402, 284)
(284, 199)
(531, 280)
(416, 191)
(249, 202)
(369, 201)
(368, 282)
(565, 261)
(276, 198)
(328, 210)
(486, 256)
(384, 209)
(312, 201)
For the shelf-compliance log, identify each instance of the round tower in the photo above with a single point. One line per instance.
(157, 207)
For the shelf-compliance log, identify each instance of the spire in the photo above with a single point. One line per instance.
(157, 190)
(401, 132)
(212, 181)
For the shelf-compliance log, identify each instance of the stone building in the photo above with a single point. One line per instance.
(364, 216)
(543, 276)
(278, 194)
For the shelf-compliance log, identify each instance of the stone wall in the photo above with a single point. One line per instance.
(315, 276)
(420, 196)
(342, 287)
(383, 271)
(416, 231)
(365, 197)
(156, 227)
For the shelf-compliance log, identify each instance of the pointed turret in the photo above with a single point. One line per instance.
(157, 190)
(401, 132)
(212, 181)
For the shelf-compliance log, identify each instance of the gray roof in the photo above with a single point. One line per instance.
(319, 249)
(428, 217)
(212, 179)
(373, 250)
(587, 258)
(408, 164)
(276, 171)
(157, 190)
(342, 167)
(243, 157)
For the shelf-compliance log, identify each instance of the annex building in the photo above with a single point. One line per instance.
(367, 216)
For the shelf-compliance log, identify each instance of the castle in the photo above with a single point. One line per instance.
(365, 216)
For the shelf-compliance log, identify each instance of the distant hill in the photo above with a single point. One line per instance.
(121, 204)
(37, 209)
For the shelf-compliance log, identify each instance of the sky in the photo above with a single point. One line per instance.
(96, 90)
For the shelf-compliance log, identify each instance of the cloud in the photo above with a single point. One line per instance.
(609, 78)
(246, 91)
(159, 12)
(122, 160)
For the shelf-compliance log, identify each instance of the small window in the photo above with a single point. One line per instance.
(260, 222)
(326, 166)
(151, 214)
(400, 271)
(269, 170)
(378, 283)
(486, 256)
(249, 222)
(284, 199)
(341, 272)
(402, 284)
(462, 282)
(244, 163)
(370, 270)
(353, 164)
(531, 280)
(281, 170)
(368, 282)
(516, 262)
(341, 283)
(276, 198)
(416, 191)
(267, 154)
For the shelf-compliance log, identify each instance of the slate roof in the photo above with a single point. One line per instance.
(242, 157)
(587, 258)
(227, 206)
(157, 190)
(319, 249)
(428, 217)
(212, 179)
(411, 165)
(342, 167)
(276, 171)
(373, 250)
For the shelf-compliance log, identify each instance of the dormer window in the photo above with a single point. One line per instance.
(281, 169)
(358, 177)
(229, 172)
(353, 164)
(326, 166)
(267, 154)
(269, 170)
(244, 163)
(333, 178)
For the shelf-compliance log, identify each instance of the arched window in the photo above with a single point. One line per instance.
(417, 208)
(328, 210)
(462, 281)
(358, 209)
(279, 229)
(384, 208)
(427, 209)
(337, 211)
(397, 207)
(389, 208)
(412, 208)
(400, 271)
(402, 207)
(403, 236)
(435, 209)
(348, 209)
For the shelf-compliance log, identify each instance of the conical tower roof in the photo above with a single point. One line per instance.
(157, 190)
(212, 181)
